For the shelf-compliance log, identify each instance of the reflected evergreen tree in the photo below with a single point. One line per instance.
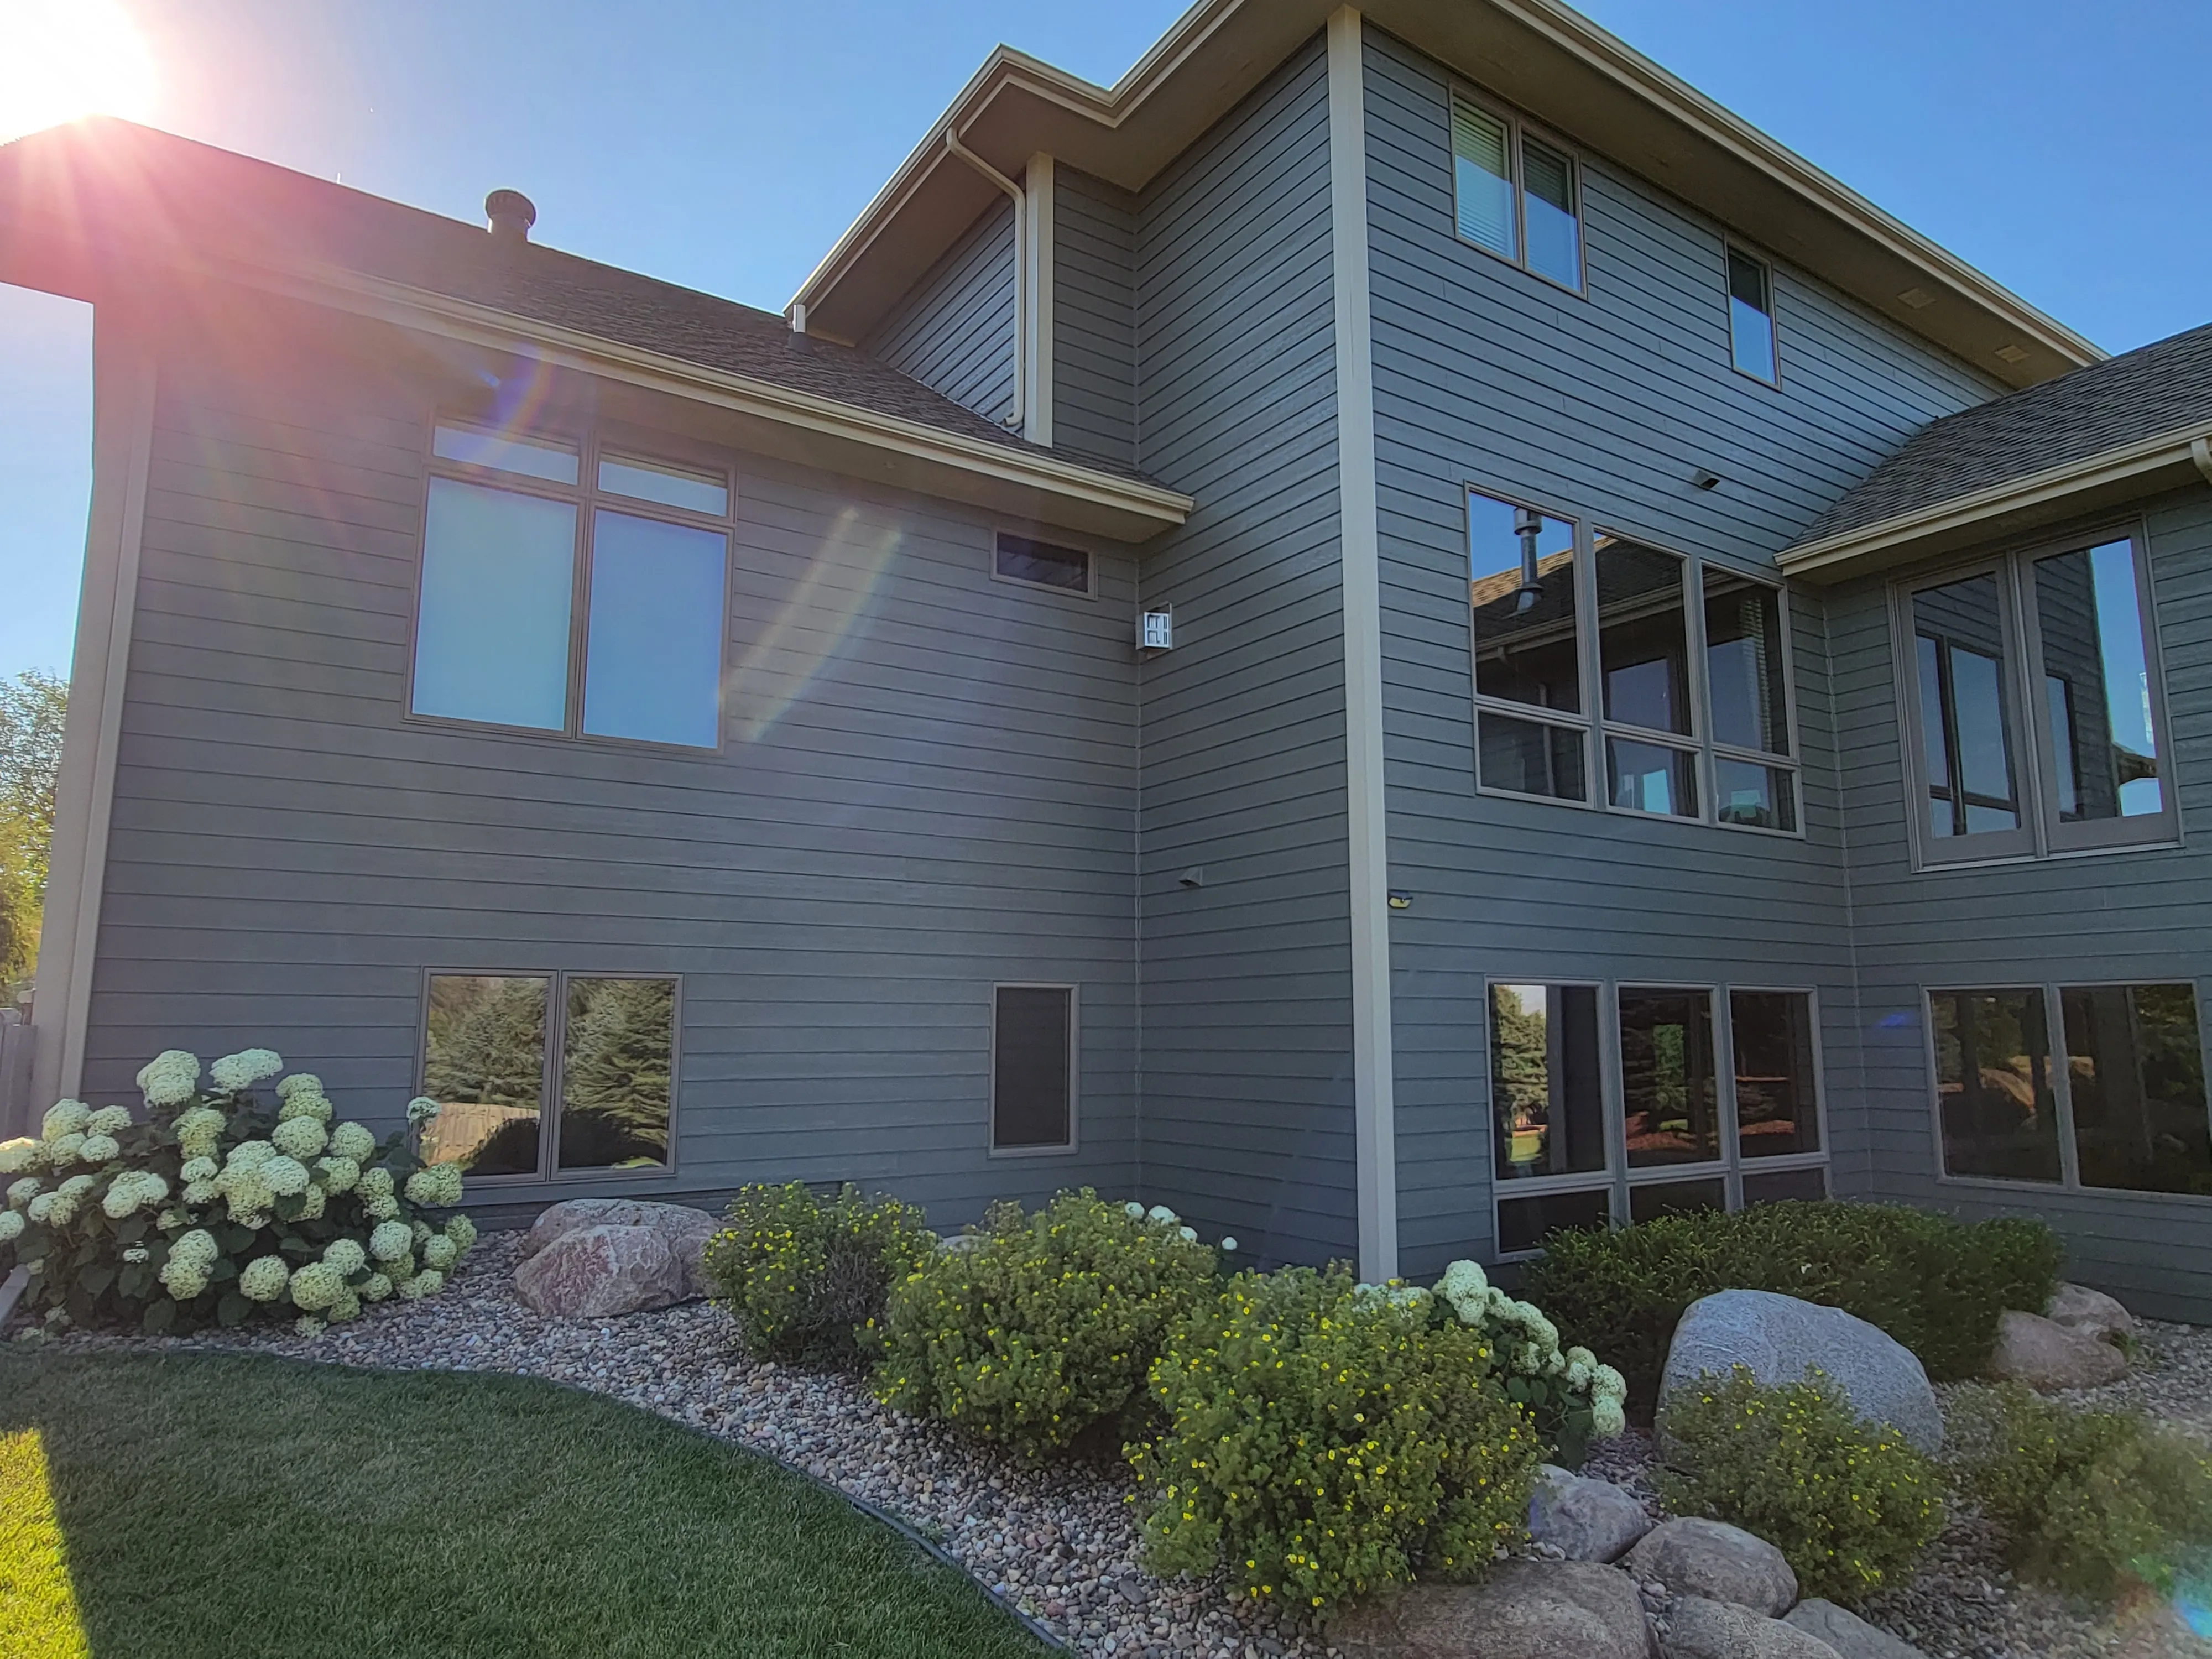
(615, 1072)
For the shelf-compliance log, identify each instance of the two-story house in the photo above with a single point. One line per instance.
(1395, 632)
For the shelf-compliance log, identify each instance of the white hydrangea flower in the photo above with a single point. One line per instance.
(198, 1192)
(242, 1070)
(438, 1187)
(1607, 1421)
(1163, 1216)
(1578, 1375)
(247, 1154)
(422, 1109)
(353, 1140)
(302, 1138)
(1607, 1383)
(65, 1117)
(263, 1279)
(22, 1192)
(1462, 1279)
(348, 1306)
(62, 1150)
(375, 1183)
(1581, 1356)
(376, 1288)
(199, 1169)
(428, 1282)
(463, 1232)
(1228, 1244)
(347, 1255)
(421, 1228)
(78, 1185)
(132, 1191)
(41, 1208)
(316, 1285)
(137, 1253)
(1188, 1235)
(440, 1252)
(312, 1204)
(287, 1176)
(170, 1079)
(20, 1154)
(390, 1241)
(183, 1277)
(400, 1271)
(12, 1225)
(382, 1207)
(307, 1326)
(306, 1106)
(198, 1245)
(199, 1131)
(108, 1121)
(98, 1149)
(338, 1174)
(1134, 1209)
(246, 1194)
(300, 1083)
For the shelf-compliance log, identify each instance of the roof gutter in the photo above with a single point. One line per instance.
(2130, 470)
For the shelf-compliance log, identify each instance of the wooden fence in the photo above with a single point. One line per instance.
(18, 1115)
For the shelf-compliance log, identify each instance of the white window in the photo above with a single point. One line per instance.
(1516, 195)
(584, 609)
(2033, 708)
(1691, 715)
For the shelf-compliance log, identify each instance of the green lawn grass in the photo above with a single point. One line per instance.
(235, 1506)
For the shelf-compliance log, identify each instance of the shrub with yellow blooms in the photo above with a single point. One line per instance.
(805, 1277)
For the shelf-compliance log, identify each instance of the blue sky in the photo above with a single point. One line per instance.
(724, 143)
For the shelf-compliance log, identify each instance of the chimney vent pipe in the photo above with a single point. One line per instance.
(509, 215)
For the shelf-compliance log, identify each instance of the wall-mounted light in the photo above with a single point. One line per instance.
(1156, 628)
(1402, 901)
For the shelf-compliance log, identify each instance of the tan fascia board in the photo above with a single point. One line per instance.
(1015, 106)
(787, 424)
(2129, 472)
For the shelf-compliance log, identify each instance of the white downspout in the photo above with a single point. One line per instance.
(1021, 271)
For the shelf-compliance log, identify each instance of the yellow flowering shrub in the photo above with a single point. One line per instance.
(1037, 1330)
(2094, 1502)
(805, 1277)
(1850, 1503)
(1326, 1439)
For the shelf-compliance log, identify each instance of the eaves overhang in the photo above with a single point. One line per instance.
(1543, 56)
(2076, 489)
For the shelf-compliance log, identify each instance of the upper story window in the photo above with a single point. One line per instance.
(1515, 194)
(1751, 317)
(2034, 696)
(571, 590)
(1691, 715)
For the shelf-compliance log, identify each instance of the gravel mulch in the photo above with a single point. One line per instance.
(1060, 1543)
(2171, 1379)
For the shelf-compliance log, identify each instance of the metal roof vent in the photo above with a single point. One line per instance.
(510, 215)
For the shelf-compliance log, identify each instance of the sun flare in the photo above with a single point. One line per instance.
(60, 59)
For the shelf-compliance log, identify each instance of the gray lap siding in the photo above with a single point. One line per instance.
(929, 785)
(2133, 917)
(1603, 404)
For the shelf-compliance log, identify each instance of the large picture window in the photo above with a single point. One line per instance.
(1691, 714)
(600, 1049)
(571, 591)
(2035, 706)
(1609, 1102)
(2081, 1085)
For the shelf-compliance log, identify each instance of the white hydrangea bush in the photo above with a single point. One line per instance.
(1573, 1398)
(216, 1206)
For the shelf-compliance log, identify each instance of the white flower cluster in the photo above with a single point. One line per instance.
(132, 1191)
(170, 1079)
(438, 1187)
(1160, 1216)
(1528, 1344)
(235, 1073)
(422, 1110)
(184, 1274)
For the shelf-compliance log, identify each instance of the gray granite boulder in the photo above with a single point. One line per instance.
(1850, 1635)
(1584, 1520)
(2090, 1312)
(2049, 1357)
(1710, 1558)
(683, 1228)
(593, 1273)
(1779, 1338)
(1699, 1629)
(1522, 1610)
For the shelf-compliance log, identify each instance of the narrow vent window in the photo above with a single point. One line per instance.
(1041, 564)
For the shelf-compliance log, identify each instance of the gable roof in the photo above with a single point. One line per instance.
(91, 208)
(1540, 54)
(2127, 425)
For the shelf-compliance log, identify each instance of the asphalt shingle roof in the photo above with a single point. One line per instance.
(131, 188)
(2153, 389)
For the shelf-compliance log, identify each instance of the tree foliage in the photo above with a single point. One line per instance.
(32, 708)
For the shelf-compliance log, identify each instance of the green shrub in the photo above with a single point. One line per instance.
(1042, 1331)
(217, 1207)
(1570, 1397)
(1934, 1284)
(2088, 1502)
(1325, 1440)
(1851, 1505)
(804, 1277)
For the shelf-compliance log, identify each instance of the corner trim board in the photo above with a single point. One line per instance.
(1373, 1132)
(1038, 270)
(84, 794)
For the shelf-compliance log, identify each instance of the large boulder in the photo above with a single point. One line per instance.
(1779, 1338)
(1850, 1635)
(683, 1228)
(2049, 1357)
(1524, 1610)
(1699, 1629)
(1695, 1557)
(593, 1273)
(1584, 1520)
(2090, 1312)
